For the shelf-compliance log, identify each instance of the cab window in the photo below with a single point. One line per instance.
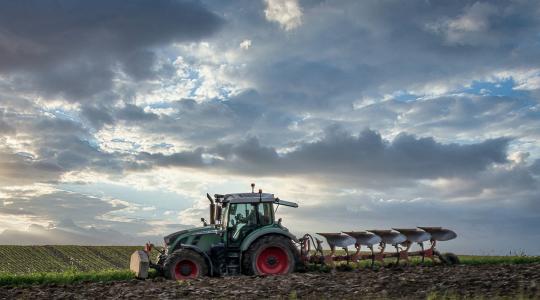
(265, 213)
(242, 220)
(242, 214)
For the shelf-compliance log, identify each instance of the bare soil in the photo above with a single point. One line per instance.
(415, 282)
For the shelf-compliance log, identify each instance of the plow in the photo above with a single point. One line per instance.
(401, 239)
(243, 236)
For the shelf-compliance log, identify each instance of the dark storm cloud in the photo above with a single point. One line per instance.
(370, 156)
(139, 64)
(310, 84)
(214, 121)
(535, 168)
(182, 159)
(341, 154)
(406, 155)
(102, 114)
(19, 169)
(72, 47)
(135, 113)
(97, 116)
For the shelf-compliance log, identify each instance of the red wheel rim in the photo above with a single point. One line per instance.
(186, 269)
(272, 260)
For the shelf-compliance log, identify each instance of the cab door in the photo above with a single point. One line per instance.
(244, 218)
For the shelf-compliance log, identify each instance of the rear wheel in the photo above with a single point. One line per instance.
(270, 255)
(185, 264)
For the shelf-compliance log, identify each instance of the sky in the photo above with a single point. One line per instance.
(117, 117)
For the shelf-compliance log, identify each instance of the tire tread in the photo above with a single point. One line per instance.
(264, 241)
(181, 254)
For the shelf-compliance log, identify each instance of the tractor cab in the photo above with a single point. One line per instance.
(244, 213)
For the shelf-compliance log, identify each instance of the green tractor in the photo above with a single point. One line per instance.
(242, 237)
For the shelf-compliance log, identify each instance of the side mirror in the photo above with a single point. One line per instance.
(204, 222)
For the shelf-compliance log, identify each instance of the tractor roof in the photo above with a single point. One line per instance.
(253, 198)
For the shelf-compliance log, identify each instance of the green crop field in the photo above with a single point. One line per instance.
(34, 259)
(64, 264)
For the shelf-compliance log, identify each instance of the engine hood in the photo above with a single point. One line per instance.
(198, 230)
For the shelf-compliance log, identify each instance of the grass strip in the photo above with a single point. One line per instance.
(7, 279)
(492, 260)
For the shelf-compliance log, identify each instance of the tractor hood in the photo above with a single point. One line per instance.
(198, 230)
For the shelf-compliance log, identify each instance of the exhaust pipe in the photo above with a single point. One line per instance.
(212, 209)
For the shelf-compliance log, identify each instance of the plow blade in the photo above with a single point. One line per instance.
(414, 235)
(139, 264)
(439, 233)
(338, 239)
(364, 238)
(389, 236)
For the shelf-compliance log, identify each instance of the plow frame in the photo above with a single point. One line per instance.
(311, 251)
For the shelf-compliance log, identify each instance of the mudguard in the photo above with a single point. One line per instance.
(264, 231)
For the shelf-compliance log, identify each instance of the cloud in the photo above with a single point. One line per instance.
(184, 159)
(469, 28)
(77, 55)
(5, 128)
(535, 168)
(18, 169)
(134, 113)
(287, 13)
(62, 217)
(49, 147)
(245, 44)
(366, 158)
(73, 235)
(115, 98)
(361, 61)
(97, 116)
(45, 204)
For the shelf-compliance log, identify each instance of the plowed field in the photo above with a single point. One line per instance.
(433, 282)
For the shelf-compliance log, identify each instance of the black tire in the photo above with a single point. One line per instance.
(450, 259)
(264, 245)
(181, 264)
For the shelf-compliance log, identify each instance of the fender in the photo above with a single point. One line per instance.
(202, 253)
(264, 231)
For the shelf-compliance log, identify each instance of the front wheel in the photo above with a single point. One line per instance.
(270, 255)
(185, 264)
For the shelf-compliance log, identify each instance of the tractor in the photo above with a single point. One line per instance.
(241, 237)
